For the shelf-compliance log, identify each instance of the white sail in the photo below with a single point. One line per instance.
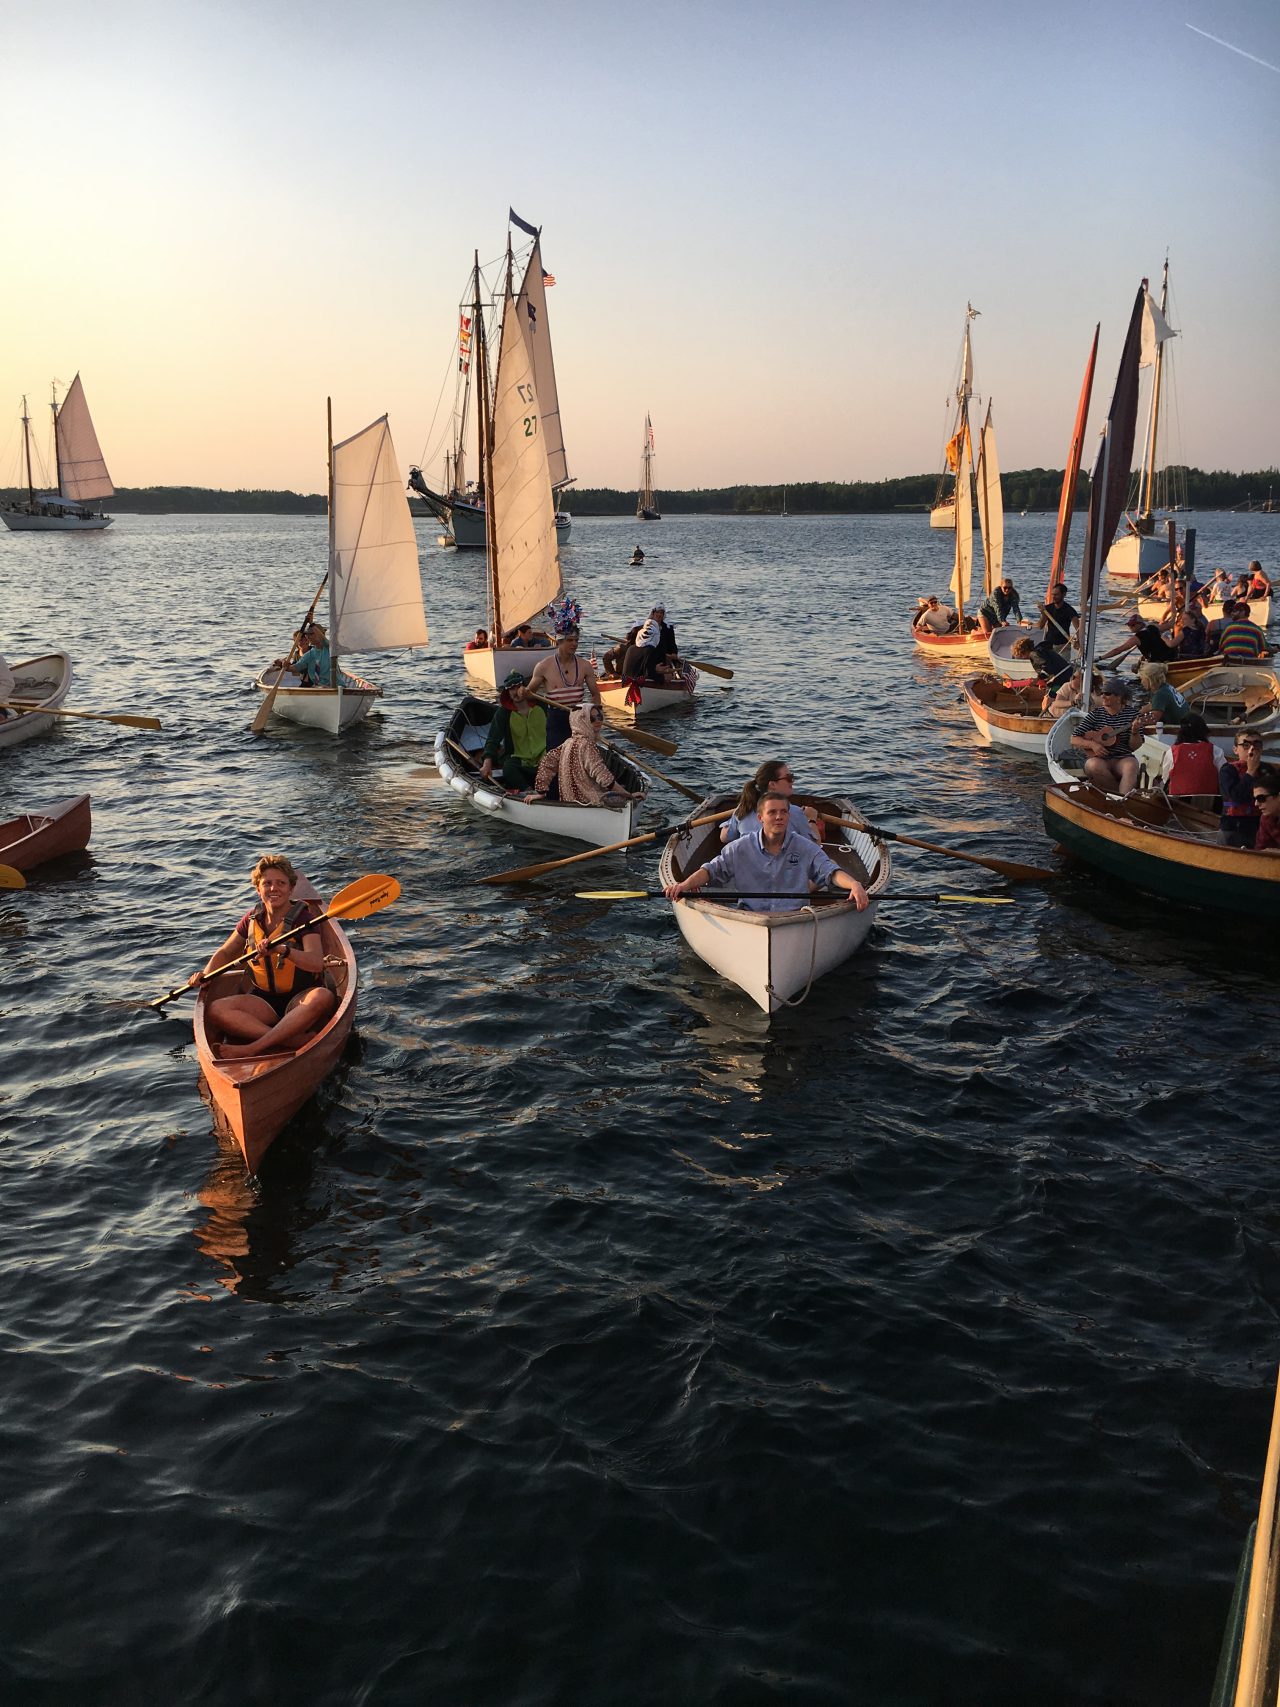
(533, 311)
(82, 473)
(375, 587)
(964, 523)
(1156, 330)
(526, 569)
(990, 505)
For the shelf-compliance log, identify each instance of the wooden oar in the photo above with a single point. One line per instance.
(652, 770)
(526, 872)
(698, 663)
(127, 719)
(264, 710)
(11, 878)
(774, 895)
(640, 736)
(366, 895)
(1003, 867)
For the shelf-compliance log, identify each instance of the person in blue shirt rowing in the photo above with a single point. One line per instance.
(775, 866)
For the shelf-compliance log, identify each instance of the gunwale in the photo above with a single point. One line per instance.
(32, 838)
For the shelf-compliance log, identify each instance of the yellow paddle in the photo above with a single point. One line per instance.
(11, 878)
(526, 872)
(127, 719)
(366, 895)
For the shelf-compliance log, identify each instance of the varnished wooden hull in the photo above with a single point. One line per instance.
(773, 957)
(1137, 840)
(653, 697)
(1009, 716)
(254, 1100)
(35, 837)
(960, 647)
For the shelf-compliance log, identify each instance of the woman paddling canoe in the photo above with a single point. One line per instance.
(285, 996)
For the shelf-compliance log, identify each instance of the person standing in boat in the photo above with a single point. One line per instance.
(1050, 667)
(1061, 620)
(517, 737)
(774, 776)
(563, 678)
(774, 863)
(1106, 737)
(286, 995)
(1000, 605)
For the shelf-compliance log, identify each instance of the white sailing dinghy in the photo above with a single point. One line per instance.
(524, 556)
(82, 474)
(959, 643)
(1143, 548)
(375, 586)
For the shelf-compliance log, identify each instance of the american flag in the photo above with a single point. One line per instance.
(548, 279)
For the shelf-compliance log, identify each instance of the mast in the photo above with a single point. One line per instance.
(1071, 474)
(484, 424)
(482, 380)
(57, 448)
(26, 440)
(1147, 495)
(333, 579)
(962, 572)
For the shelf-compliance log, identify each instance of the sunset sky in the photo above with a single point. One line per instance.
(764, 223)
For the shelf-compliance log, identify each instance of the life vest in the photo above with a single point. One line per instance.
(278, 976)
(1193, 770)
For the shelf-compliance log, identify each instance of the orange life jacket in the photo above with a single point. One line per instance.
(278, 976)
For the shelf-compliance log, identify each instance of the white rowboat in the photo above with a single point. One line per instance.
(45, 679)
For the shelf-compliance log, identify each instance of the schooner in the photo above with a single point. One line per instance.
(81, 471)
(646, 503)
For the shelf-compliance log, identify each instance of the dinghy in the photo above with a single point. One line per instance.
(618, 697)
(459, 748)
(1009, 713)
(34, 837)
(1235, 696)
(775, 957)
(966, 642)
(254, 1099)
(46, 680)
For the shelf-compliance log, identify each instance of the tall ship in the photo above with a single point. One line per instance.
(1157, 488)
(942, 512)
(646, 502)
(82, 476)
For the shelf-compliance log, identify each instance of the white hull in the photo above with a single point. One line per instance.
(962, 647)
(1006, 728)
(944, 515)
(1134, 557)
(492, 666)
(564, 521)
(1155, 610)
(598, 826)
(613, 696)
(773, 957)
(47, 679)
(330, 709)
(1000, 652)
(1066, 763)
(1235, 695)
(23, 521)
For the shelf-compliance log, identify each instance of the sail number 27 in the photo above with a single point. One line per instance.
(525, 394)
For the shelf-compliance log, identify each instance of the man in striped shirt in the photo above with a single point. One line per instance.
(1107, 736)
(1240, 640)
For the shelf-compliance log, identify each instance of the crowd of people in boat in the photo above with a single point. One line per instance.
(647, 654)
(542, 740)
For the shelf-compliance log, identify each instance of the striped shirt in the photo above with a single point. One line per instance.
(1121, 721)
(1240, 641)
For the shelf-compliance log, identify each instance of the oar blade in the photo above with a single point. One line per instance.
(642, 738)
(366, 895)
(710, 669)
(612, 894)
(11, 878)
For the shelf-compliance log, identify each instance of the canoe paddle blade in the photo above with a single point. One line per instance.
(11, 878)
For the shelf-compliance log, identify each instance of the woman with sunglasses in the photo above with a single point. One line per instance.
(773, 777)
(578, 767)
(1238, 826)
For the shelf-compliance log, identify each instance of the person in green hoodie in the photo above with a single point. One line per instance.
(517, 736)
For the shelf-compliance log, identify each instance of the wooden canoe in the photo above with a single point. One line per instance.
(46, 679)
(34, 837)
(600, 826)
(253, 1100)
(1164, 849)
(773, 956)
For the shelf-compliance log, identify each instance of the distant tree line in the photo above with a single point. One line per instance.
(1024, 489)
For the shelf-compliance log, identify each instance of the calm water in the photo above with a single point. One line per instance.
(597, 1339)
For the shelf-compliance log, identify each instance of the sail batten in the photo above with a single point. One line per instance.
(82, 471)
(376, 595)
(526, 567)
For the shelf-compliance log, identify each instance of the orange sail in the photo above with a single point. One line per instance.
(1066, 502)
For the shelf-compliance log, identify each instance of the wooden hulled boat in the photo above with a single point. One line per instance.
(1000, 652)
(34, 837)
(1163, 849)
(960, 648)
(47, 680)
(1249, 1662)
(654, 696)
(254, 1100)
(774, 956)
(1155, 610)
(1184, 670)
(970, 641)
(458, 751)
(1235, 696)
(1008, 713)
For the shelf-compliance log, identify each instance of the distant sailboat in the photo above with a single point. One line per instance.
(784, 500)
(942, 513)
(82, 474)
(646, 504)
(374, 581)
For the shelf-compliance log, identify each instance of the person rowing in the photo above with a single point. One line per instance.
(775, 864)
(284, 996)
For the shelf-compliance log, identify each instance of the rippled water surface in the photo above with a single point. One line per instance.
(595, 1338)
